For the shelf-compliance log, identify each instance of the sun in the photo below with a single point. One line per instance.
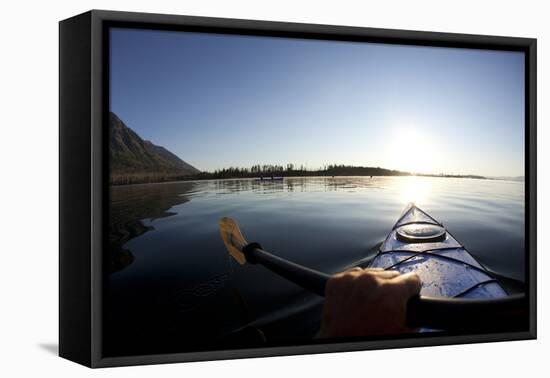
(412, 151)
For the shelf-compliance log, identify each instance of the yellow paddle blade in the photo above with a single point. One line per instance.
(233, 239)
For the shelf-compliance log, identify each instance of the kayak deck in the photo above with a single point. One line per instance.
(445, 267)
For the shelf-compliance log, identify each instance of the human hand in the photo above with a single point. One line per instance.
(361, 302)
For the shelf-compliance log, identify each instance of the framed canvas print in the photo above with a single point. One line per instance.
(234, 188)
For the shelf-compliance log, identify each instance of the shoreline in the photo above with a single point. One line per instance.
(282, 178)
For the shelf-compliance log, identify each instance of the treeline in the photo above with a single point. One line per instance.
(271, 170)
(290, 170)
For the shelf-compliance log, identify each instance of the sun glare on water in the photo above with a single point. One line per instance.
(414, 189)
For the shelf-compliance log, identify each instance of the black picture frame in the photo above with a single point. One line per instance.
(83, 143)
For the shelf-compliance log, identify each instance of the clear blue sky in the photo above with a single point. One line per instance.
(219, 100)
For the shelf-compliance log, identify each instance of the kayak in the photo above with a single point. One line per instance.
(419, 243)
(457, 292)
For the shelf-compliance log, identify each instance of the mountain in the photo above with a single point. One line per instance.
(134, 160)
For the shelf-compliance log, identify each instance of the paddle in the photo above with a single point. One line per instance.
(457, 314)
(244, 252)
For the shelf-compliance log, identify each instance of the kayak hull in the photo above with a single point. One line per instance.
(445, 267)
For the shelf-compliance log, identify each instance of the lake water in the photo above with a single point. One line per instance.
(172, 286)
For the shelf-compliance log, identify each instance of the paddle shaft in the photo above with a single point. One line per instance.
(456, 314)
(472, 315)
(307, 278)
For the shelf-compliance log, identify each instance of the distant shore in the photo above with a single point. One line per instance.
(236, 173)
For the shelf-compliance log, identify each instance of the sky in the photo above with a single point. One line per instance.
(229, 100)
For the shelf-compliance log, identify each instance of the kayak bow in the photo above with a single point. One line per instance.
(418, 243)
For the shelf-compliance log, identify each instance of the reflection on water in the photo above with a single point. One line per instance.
(129, 205)
(415, 189)
(173, 287)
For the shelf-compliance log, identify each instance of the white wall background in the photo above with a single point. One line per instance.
(29, 189)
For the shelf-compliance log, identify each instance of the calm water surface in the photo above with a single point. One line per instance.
(172, 286)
